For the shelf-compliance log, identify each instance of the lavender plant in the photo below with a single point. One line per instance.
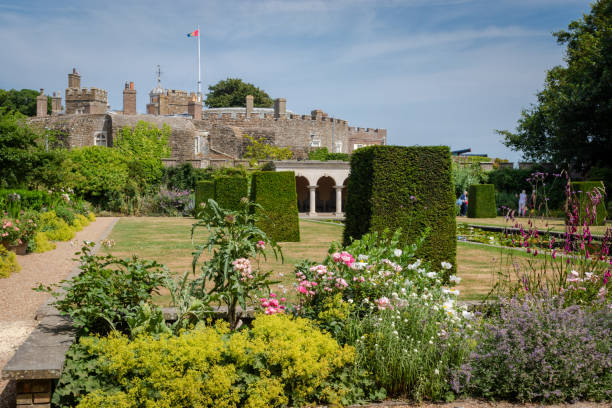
(539, 350)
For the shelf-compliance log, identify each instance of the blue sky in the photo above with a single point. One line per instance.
(430, 71)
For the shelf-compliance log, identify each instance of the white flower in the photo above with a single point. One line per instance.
(436, 371)
(430, 342)
(447, 265)
(432, 275)
(397, 252)
(454, 279)
(395, 332)
(467, 315)
(350, 300)
(362, 257)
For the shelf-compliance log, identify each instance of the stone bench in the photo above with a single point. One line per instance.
(37, 365)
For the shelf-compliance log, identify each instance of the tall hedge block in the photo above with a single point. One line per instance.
(407, 187)
(229, 190)
(582, 190)
(276, 193)
(481, 201)
(204, 190)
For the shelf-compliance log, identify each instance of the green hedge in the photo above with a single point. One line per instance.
(276, 193)
(581, 188)
(407, 187)
(204, 190)
(229, 190)
(481, 201)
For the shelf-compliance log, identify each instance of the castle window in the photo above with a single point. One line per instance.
(358, 145)
(339, 147)
(196, 146)
(100, 139)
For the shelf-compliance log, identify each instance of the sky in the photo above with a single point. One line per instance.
(431, 72)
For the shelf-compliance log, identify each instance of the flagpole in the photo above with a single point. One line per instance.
(199, 70)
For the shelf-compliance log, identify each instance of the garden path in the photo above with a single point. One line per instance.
(19, 303)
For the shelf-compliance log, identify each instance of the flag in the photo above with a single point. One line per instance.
(196, 33)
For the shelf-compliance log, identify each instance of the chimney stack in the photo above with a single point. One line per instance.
(41, 104)
(280, 108)
(249, 105)
(194, 108)
(129, 99)
(74, 79)
(56, 104)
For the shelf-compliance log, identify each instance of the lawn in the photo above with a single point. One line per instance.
(167, 240)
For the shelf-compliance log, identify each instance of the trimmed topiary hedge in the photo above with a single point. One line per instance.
(481, 201)
(582, 188)
(229, 190)
(276, 193)
(204, 190)
(407, 187)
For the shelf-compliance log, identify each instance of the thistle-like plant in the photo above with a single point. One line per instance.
(229, 277)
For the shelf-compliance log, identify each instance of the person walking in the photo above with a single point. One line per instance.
(522, 204)
(464, 204)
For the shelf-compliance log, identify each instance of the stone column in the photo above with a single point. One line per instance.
(313, 203)
(338, 200)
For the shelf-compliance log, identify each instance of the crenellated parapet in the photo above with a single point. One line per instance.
(92, 94)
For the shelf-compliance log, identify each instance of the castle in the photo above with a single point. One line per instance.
(203, 137)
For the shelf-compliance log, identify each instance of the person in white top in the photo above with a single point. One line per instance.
(522, 204)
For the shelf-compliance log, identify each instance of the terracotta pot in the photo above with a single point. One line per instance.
(18, 249)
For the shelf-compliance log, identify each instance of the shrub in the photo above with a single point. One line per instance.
(276, 193)
(42, 244)
(323, 154)
(482, 201)
(55, 228)
(538, 350)
(106, 291)
(91, 216)
(466, 175)
(229, 190)
(279, 362)
(8, 262)
(587, 198)
(173, 203)
(205, 190)
(64, 213)
(28, 199)
(404, 187)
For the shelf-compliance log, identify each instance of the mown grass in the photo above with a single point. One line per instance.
(167, 241)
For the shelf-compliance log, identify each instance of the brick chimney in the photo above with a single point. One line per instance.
(249, 105)
(41, 104)
(74, 79)
(129, 99)
(56, 103)
(194, 108)
(280, 108)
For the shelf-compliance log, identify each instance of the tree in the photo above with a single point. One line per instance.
(571, 123)
(18, 149)
(23, 101)
(233, 92)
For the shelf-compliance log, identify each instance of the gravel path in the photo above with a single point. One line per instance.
(18, 302)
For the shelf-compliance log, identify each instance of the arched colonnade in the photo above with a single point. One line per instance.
(321, 186)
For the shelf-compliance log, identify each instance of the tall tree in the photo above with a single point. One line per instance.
(571, 124)
(233, 91)
(23, 101)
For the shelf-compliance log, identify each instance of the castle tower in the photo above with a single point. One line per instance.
(280, 108)
(129, 99)
(194, 108)
(74, 79)
(41, 104)
(56, 104)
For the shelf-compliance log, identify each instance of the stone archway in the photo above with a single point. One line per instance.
(325, 197)
(303, 199)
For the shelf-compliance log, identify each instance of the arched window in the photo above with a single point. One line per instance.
(100, 139)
